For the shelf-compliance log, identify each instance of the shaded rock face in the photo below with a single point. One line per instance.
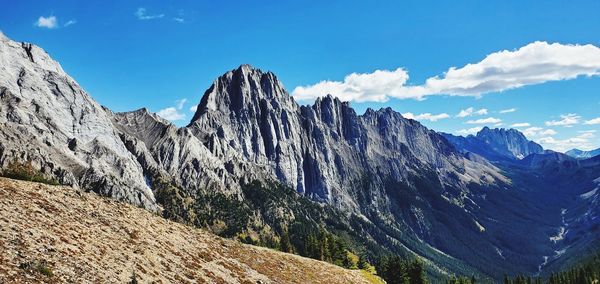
(48, 121)
(496, 144)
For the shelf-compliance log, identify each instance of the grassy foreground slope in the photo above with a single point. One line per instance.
(57, 234)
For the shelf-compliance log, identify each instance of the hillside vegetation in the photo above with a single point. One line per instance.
(57, 234)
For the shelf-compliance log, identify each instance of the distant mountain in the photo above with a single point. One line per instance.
(496, 144)
(580, 154)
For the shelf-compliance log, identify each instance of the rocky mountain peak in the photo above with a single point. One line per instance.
(242, 91)
(332, 111)
(143, 114)
(487, 132)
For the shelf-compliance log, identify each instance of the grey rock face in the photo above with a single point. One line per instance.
(47, 120)
(321, 150)
(176, 155)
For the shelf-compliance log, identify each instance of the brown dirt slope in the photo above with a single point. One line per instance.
(56, 234)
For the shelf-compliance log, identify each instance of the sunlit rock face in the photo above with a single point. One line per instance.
(48, 121)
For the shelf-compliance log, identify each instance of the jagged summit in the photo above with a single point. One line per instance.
(240, 89)
(144, 113)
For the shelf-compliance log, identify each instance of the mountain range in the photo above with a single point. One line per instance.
(255, 165)
(580, 154)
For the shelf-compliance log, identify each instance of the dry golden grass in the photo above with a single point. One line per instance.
(55, 234)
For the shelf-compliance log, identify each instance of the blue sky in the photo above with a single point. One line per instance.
(155, 54)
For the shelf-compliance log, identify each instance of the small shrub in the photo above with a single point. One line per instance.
(37, 266)
(133, 279)
(25, 171)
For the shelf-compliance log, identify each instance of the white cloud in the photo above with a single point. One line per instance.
(179, 19)
(533, 132)
(141, 14)
(47, 22)
(586, 135)
(547, 132)
(535, 63)
(567, 120)
(581, 141)
(489, 120)
(70, 22)
(377, 87)
(469, 131)
(426, 116)
(509, 110)
(465, 112)
(471, 111)
(171, 114)
(194, 108)
(482, 111)
(592, 121)
(520, 124)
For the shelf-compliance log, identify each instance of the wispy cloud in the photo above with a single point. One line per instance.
(70, 23)
(489, 120)
(47, 22)
(533, 132)
(471, 111)
(520, 124)
(142, 14)
(509, 110)
(469, 131)
(592, 121)
(567, 120)
(180, 103)
(535, 63)
(194, 108)
(180, 16)
(426, 116)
